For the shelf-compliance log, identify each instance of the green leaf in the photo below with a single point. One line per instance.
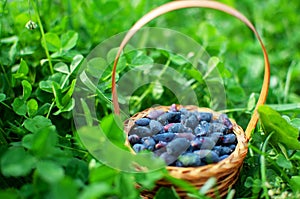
(69, 107)
(62, 67)
(91, 86)
(27, 141)
(251, 102)
(2, 97)
(111, 55)
(17, 162)
(284, 132)
(283, 162)
(209, 184)
(13, 51)
(125, 185)
(10, 194)
(44, 141)
(285, 107)
(296, 156)
(195, 74)
(58, 95)
(50, 171)
(103, 173)
(69, 40)
(47, 84)
(19, 106)
(237, 93)
(32, 107)
(75, 62)
(248, 182)
(295, 183)
(23, 68)
(295, 123)
(87, 113)
(43, 110)
(112, 127)
(52, 42)
(142, 60)
(148, 179)
(37, 123)
(211, 66)
(182, 184)
(157, 90)
(96, 67)
(165, 192)
(68, 96)
(65, 188)
(77, 169)
(98, 190)
(178, 59)
(26, 89)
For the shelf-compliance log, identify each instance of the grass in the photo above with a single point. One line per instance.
(41, 76)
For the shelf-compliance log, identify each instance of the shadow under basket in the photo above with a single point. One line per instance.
(226, 171)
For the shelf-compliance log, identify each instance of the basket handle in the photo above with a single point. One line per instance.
(176, 5)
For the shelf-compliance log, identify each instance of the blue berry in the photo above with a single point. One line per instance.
(173, 117)
(197, 142)
(160, 145)
(203, 143)
(205, 116)
(165, 137)
(178, 146)
(225, 150)
(216, 137)
(191, 122)
(173, 108)
(176, 128)
(168, 158)
(223, 118)
(232, 146)
(218, 127)
(178, 164)
(188, 136)
(202, 129)
(190, 159)
(163, 119)
(140, 131)
(184, 111)
(139, 147)
(155, 127)
(210, 157)
(149, 143)
(154, 114)
(229, 139)
(133, 139)
(223, 157)
(142, 121)
(217, 149)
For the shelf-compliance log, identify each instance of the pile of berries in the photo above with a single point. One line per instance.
(184, 138)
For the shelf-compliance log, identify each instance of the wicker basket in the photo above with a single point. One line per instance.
(226, 171)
